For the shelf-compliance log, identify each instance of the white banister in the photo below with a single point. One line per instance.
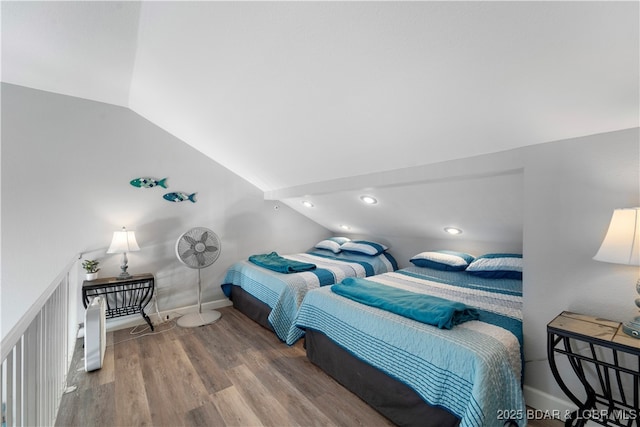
(36, 354)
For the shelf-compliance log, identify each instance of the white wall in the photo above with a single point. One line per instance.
(66, 167)
(571, 190)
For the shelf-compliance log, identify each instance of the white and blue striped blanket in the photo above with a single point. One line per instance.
(283, 293)
(473, 370)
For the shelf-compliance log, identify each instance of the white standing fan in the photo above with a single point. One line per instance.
(198, 248)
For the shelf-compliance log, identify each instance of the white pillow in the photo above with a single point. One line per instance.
(330, 245)
(364, 247)
(442, 260)
(497, 266)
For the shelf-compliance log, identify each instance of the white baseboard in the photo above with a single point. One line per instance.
(546, 403)
(156, 318)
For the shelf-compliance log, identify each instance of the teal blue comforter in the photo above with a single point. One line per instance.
(428, 309)
(275, 262)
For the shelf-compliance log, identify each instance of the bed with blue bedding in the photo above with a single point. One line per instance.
(469, 374)
(269, 288)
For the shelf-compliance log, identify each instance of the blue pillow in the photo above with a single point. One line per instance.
(443, 260)
(363, 247)
(497, 266)
(330, 245)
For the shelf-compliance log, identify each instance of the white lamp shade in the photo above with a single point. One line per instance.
(123, 241)
(621, 245)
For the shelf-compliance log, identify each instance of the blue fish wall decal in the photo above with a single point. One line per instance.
(179, 196)
(146, 182)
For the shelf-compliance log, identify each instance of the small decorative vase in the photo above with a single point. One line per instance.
(91, 276)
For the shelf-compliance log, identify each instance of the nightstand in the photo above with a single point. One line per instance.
(607, 363)
(123, 297)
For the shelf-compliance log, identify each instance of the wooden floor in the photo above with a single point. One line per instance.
(230, 373)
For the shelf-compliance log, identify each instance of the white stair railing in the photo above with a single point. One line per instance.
(36, 355)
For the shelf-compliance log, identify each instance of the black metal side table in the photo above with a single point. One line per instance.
(123, 297)
(607, 363)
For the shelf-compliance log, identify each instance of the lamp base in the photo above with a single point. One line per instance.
(632, 327)
(124, 275)
(193, 320)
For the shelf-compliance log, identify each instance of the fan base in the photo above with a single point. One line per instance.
(193, 320)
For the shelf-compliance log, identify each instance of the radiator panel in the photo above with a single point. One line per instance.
(95, 335)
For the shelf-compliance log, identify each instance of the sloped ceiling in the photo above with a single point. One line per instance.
(290, 95)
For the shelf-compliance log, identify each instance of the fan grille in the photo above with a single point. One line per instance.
(198, 247)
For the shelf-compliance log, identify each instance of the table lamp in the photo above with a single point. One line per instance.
(123, 241)
(621, 245)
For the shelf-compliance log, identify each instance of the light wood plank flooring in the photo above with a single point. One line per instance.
(230, 373)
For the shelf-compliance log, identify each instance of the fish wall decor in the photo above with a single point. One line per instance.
(146, 182)
(179, 196)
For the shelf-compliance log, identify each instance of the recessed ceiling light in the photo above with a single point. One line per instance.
(345, 227)
(307, 204)
(453, 230)
(368, 200)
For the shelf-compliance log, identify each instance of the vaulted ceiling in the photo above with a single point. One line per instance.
(290, 95)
